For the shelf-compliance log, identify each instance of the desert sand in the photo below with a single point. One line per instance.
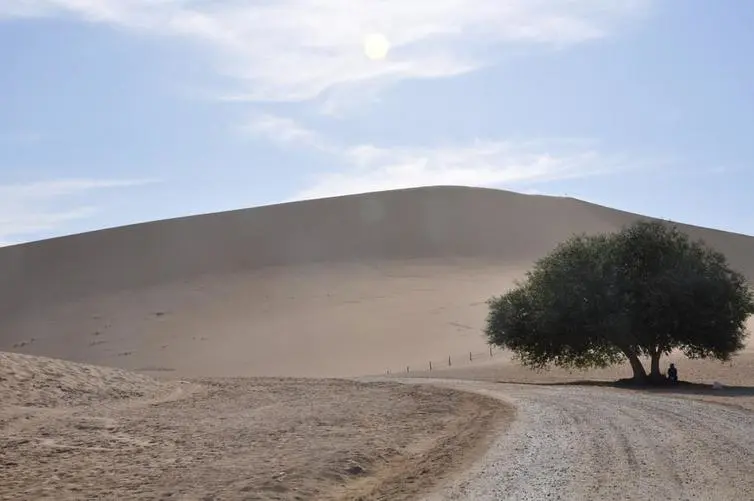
(333, 287)
(73, 431)
(344, 287)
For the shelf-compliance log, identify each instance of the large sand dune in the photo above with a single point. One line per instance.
(333, 287)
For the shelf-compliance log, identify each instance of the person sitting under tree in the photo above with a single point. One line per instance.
(672, 374)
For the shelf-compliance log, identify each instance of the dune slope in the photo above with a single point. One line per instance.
(333, 287)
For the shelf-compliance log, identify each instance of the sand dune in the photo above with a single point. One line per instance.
(333, 287)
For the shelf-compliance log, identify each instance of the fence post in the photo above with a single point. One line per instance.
(430, 366)
(470, 359)
(490, 351)
(449, 364)
(407, 369)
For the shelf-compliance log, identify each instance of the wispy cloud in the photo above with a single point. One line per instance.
(483, 163)
(283, 131)
(304, 50)
(368, 167)
(294, 50)
(27, 210)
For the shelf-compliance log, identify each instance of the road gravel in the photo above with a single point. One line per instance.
(584, 443)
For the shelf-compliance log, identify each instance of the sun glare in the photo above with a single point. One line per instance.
(376, 46)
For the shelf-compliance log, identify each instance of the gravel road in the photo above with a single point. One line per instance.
(585, 443)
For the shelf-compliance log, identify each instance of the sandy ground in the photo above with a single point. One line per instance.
(338, 320)
(736, 376)
(73, 431)
(340, 287)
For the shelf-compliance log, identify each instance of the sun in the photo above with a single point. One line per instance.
(376, 46)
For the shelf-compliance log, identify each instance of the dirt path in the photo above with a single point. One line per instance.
(585, 443)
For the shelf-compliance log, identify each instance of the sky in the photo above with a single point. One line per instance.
(116, 112)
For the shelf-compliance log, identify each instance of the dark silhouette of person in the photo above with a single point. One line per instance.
(673, 373)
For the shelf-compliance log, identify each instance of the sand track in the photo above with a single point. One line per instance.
(591, 443)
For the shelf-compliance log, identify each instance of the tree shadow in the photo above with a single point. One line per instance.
(681, 387)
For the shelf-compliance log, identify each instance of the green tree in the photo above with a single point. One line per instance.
(641, 292)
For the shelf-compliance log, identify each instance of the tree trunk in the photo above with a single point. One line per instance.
(655, 366)
(639, 373)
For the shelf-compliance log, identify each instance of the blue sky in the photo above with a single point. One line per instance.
(121, 111)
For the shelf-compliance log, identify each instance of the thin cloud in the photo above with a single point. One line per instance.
(368, 167)
(62, 187)
(282, 130)
(293, 50)
(30, 209)
(31, 221)
(484, 164)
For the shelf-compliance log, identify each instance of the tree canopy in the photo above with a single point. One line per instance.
(641, 292)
